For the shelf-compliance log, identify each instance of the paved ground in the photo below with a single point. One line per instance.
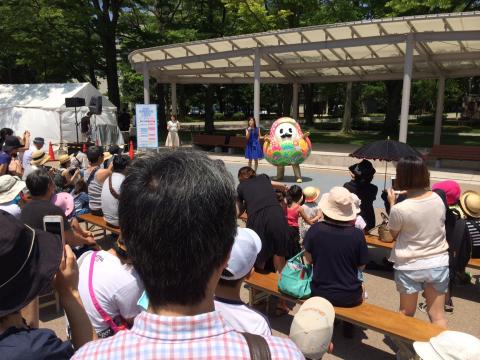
(381, 290)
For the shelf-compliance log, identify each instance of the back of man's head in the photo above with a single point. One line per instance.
(178, 217)
(38, 182)
(94, 153)
(120, 163)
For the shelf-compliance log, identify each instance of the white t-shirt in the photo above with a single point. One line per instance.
(117, 288)
(421, 227)
(11, 208)
(242, 318)
(109, 203)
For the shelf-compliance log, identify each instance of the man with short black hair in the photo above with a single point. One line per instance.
(178, 218)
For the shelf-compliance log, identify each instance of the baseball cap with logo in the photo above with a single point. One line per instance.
(244, 252)
(312, 327)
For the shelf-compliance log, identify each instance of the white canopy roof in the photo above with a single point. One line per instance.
(445, 45)
(47, 96)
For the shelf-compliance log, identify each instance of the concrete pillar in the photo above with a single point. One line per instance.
(439, 111)
(173, 89)
(146, 84)
(256, 87)
(294, 110)
(407, 82)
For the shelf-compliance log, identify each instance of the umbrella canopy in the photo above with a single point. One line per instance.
(386, 150)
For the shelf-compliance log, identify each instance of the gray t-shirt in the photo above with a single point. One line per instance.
(109, 203)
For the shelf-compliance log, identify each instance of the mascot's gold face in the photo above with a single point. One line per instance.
(286, 131)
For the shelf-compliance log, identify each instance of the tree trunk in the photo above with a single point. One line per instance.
(182, 111)
(209, 124)
(287, 99)
(111, 68)
(347, 114)
(394, 101)
(162, 116)
(308, 106)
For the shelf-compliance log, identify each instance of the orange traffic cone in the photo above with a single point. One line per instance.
(51, 154)
(131, 153)
(84, 148)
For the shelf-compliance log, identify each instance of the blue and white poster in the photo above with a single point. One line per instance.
(147, 130)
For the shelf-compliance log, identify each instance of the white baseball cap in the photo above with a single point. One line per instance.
(449, 345)
(312, 327)
(245, 249)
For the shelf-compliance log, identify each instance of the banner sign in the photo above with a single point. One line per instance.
(146, 123)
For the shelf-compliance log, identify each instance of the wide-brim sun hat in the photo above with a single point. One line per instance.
(11, 143)
(64, 201)
(39, 157)
(451, 345)
(470, 202)
(311, 194)
(29, 259)
(10, 187)
(338, 204)
(64, 158)
(312, 327)
(107, 156)
(356, 202)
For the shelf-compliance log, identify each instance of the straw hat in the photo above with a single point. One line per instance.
(470, 202)
(311, 194)
(39, 157)
(107, 156)
(10, 187)
(64, 158)
(338, 204)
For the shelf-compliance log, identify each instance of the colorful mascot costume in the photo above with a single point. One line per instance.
(287, 145)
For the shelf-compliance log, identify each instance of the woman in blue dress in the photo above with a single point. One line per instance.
(253, 151)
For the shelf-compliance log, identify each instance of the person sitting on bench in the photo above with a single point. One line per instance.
(238, 315)
(95, 177)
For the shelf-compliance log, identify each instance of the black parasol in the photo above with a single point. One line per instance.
(385, 150)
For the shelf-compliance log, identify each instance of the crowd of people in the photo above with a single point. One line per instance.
(141, 294)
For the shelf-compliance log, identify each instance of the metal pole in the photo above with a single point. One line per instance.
(173, 89)
(294, 111)
(407, 82)
(146, 84)
(439, 111)
(256, 87)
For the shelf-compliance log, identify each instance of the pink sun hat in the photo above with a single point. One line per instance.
(64, 201)
(452, 190)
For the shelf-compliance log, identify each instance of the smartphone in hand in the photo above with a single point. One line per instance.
(54, 225)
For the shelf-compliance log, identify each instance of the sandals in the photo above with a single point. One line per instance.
(447, 308)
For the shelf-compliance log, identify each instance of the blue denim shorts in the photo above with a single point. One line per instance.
(414, 281)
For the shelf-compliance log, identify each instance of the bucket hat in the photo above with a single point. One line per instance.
(39, 157)
(470, 202)
(363, 169)
(10, 187)
(312, 327)
(64, 201)
(311, 194)
(338, 204)
(449, 345)
(29, 259)
(451, 190)
(11, 143)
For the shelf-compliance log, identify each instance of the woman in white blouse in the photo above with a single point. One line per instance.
(420, 254)
(173, 126)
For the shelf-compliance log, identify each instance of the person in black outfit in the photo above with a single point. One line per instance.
(124, 120)
(266, 217)
(85, 127)
(361, 185)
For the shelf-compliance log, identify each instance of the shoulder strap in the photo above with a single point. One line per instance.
(91, 176)
(258, 347)
(112, 190)
(95, 302)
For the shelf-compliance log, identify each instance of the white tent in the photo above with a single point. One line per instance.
(40, 108)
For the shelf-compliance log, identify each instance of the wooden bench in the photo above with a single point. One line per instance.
(402, 329)
(99, 222)
(375, 241)
(208, 140)
(454, 152)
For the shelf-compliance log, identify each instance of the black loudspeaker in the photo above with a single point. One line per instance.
(74, 102)
(95, 105)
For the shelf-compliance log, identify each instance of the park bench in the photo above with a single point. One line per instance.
(375, 241)
(208, 140)
(403, 330)
(454, 152)
(98, 221)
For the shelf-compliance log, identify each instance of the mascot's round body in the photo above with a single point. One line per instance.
(287, 145)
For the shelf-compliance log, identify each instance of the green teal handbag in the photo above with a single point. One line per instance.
(296, 278)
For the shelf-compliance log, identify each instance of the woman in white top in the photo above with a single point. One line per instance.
(420, 254)
(173, 126)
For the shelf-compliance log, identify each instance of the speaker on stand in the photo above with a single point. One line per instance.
(95, 107)
(75, 102)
